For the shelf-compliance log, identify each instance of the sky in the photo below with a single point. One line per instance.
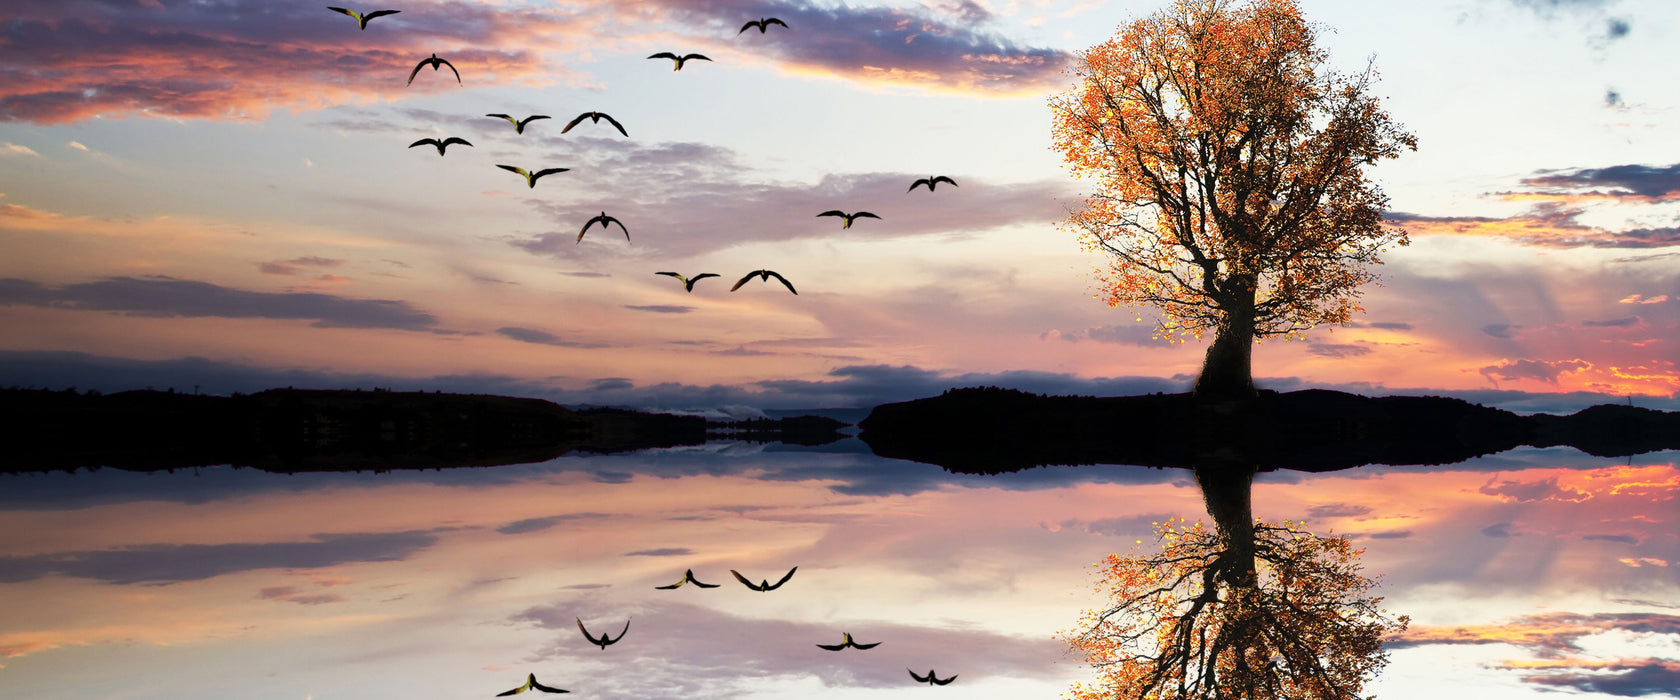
(1523, 573)
(219, 195)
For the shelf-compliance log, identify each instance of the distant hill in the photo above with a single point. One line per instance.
(988, 430)
(292, 430)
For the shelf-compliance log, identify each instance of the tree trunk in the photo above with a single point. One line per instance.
(1227, 490)
(1227, 371)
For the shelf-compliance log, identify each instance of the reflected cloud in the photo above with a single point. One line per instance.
(174, 563)
(169, 296)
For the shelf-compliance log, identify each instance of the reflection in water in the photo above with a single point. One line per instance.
(1250, 610)
(454, 584)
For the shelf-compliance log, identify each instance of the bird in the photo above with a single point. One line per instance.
(605, 221)
(930, 678)
(519, 125)
(688, 576)
(764, 275)
(363, 19)
(530, 177)
(440, 144)
(532, 684)
(688, 283)
(679, 59)
(848, 643)
(765, 586)
(595, 118)
(603, 640)
(930, 182)
(762, 24)
(437, 64)
(848, 217)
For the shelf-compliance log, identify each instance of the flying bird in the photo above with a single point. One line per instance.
(605, 221)
(930, 182)
(530, 177)
(764, 275)
(604, 640)
(595, 118)
(363, 19)
(848, 217)
(440, 144)
(930, 678)
(848, 643)
(679, 59)
(687, 284)
(688, 576)
(762, 24)
(519, 125)
(766, 585)
(437, 64)
(532, 684)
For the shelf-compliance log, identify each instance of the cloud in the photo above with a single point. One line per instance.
(1532, 369)
(1337, 350)
(8, 148)
(1555, 639)
(662, 308)
(535, 524)
(1613, 323)
(611, 384)
(1631, 679)
(532, 335)
(173, 297)
(661, 552)
(172, 563)
(1641, 183)
(66, 62)
(1529, 492)
(1337, 510)
(78, 146)
(292, 267)
(1140, 335)
(1641, 299)
(1624, 539)
(292, 594)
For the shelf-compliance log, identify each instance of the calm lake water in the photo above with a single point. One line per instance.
(1524, 573)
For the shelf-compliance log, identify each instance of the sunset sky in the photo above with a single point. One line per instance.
(219, 193)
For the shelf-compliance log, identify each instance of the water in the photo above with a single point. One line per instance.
(1524, 573)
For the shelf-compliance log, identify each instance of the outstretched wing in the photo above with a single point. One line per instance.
(616, 125)
(865, 215)
(664, 54)
(831, 647)
(451, 68)
(773, 20)
(673, 274)
(693, 56)
(576, 122)
(789, 575)
(416, 71)
(582, 231)
(586, 634)
(744, 28)
(423, 142)
(698, 583)
(866, 646)
(920, 679)
(378, 13)
(504, 116)
(738, 576)
(834, 212)
(548, 171)
(343, 11)
(936, 681)
(942, 178)
(621, 633)
(512, 169)
(679, 583)
(923, 181)
(702, 276)
(515, 691)
(455, 139)
(531, 118)
(544, 688)
(749, 276)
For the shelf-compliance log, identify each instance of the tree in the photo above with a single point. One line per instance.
(1191, 622)
(1231, 191)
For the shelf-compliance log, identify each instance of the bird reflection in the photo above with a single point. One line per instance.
(603, 640)
(766, 585)
(532, 684)
(688, 577)
(849, 643)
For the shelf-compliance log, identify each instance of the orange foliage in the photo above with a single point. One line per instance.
(1228, 162)
(1182, 625)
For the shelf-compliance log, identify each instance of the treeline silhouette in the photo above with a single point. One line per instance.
(292, 430)
(989, 430)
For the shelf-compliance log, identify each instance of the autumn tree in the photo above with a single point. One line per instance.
(1229, 163)
(1192, 622)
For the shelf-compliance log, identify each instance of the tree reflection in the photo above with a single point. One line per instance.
(1251, 609)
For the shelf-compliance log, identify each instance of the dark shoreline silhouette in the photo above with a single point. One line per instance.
(991, 430)
(295, 430)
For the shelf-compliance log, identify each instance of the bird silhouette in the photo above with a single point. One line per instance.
(849, 217)
(930, 182)
(519, 125)
(605, 221)
(440, 144)
(603, 640)
(688, 576)
(530, 177)
(688, 283)
(848, 643)
(766, 585)
(762, 24)
(361, 18)
(931, 679)
(595, 118)
(679, 59)
(532, 684)
(436, 64)
(764, 275)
